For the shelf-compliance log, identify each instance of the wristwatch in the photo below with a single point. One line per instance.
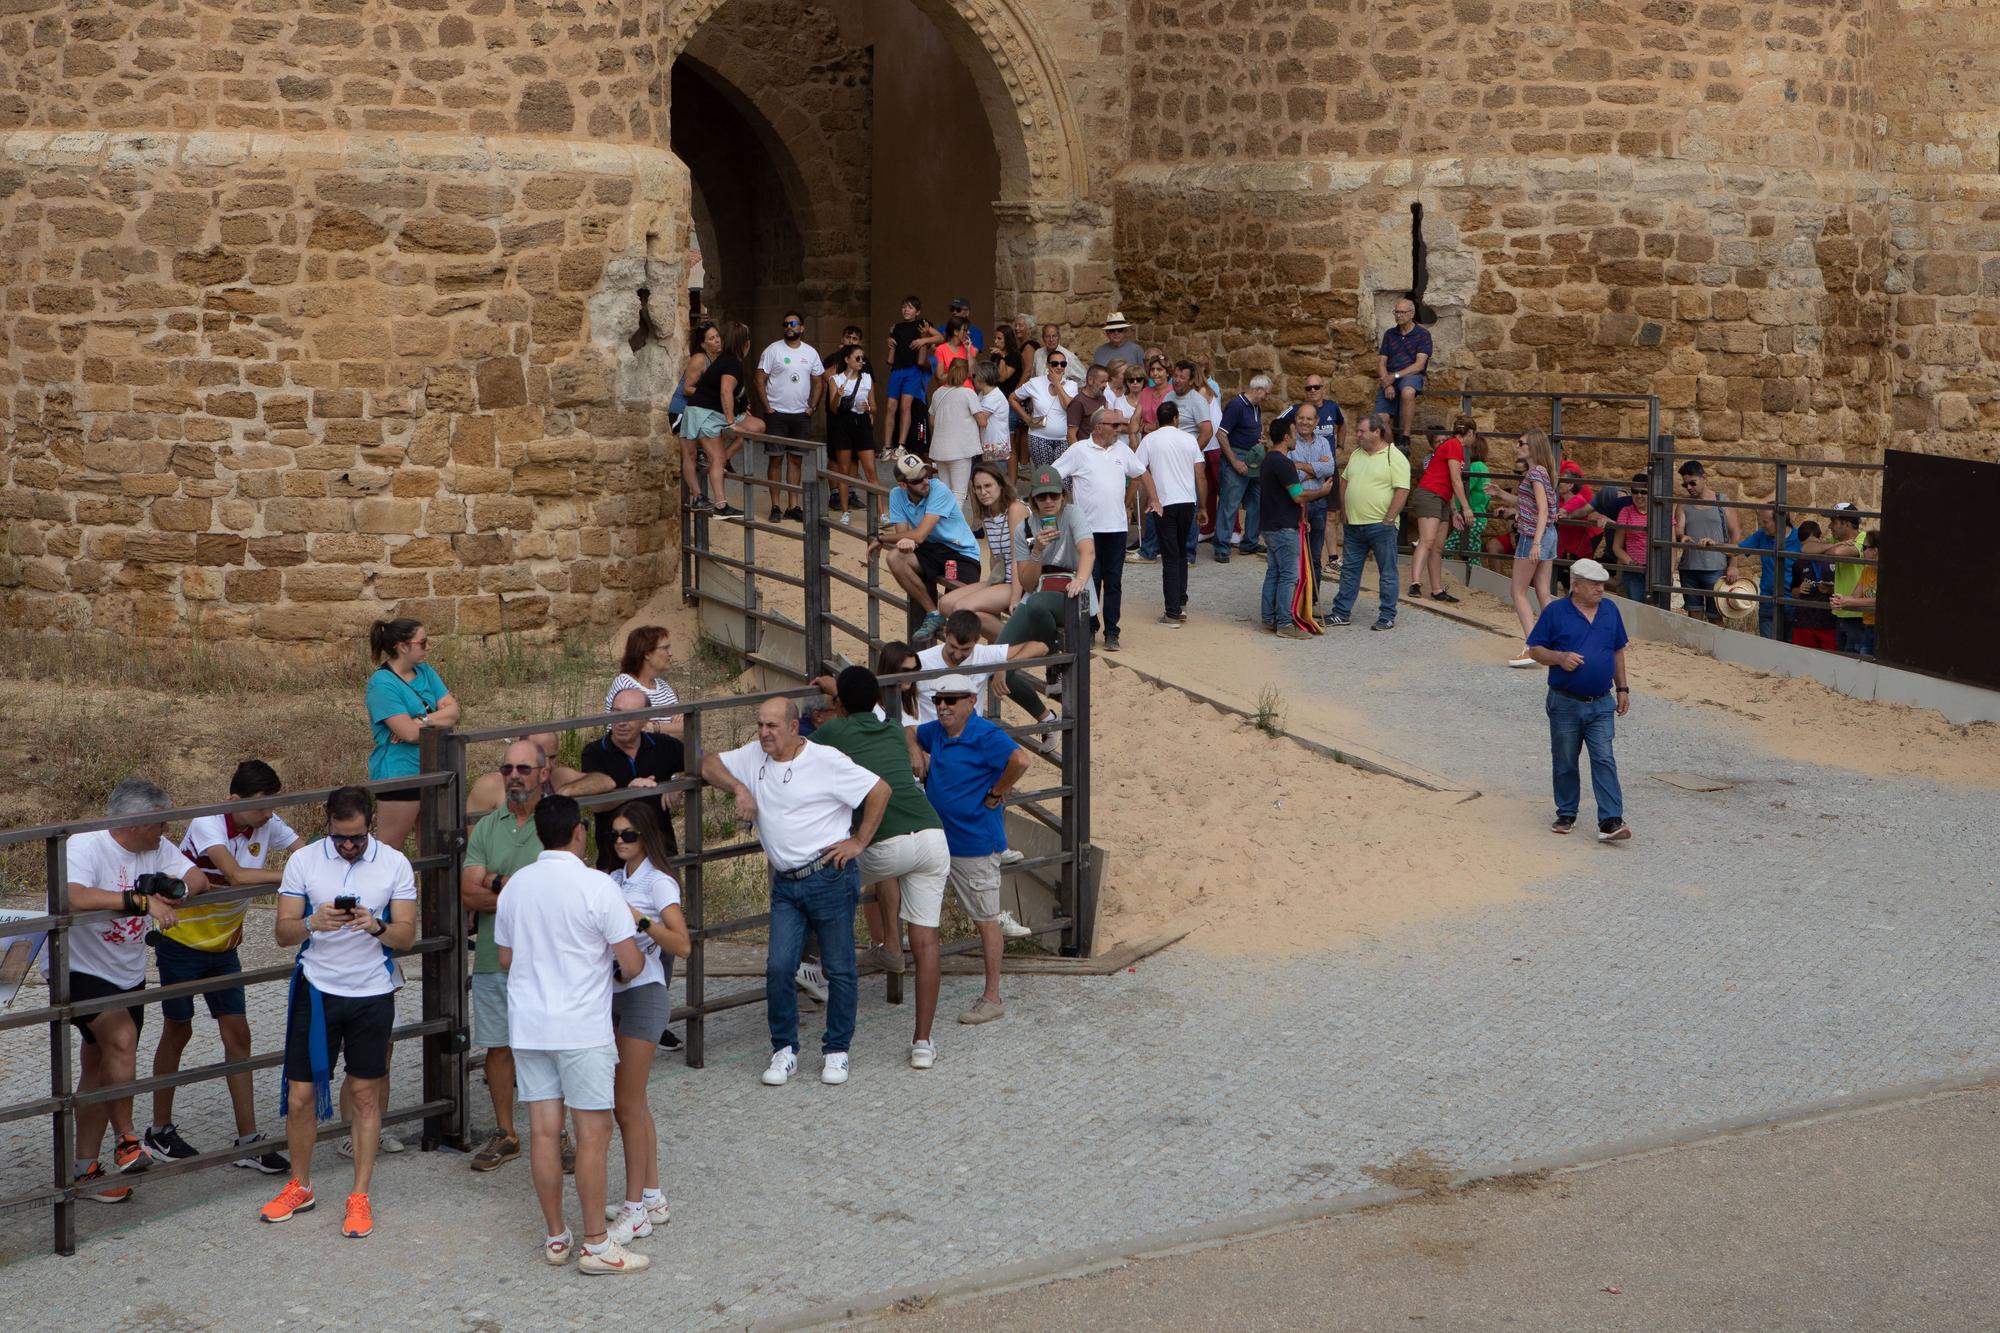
(382, 928)
(643, 924)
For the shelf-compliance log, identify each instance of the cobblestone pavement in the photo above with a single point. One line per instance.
(1747, 952)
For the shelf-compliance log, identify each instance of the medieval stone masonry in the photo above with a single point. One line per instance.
(314, 311)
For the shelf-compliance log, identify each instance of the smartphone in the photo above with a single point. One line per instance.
(346, 902)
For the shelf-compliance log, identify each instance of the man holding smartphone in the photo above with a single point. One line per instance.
(348, 902)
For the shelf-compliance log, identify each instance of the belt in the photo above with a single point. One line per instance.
(1580, 698)
(819, 862)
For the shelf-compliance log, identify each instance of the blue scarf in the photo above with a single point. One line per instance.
(322, 1062)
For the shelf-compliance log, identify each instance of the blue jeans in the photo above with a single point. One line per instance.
(1281, 576)
(1579, 723)
(825, 900)
(1633, 585)
(1362, 540)
(1854, 637)
(1149, 539)
(1697, 604)
(1238, 489)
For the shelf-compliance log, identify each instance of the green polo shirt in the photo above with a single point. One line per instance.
(878, 746)
(502, 846)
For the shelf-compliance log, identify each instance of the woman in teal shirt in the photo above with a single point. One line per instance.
(404, 697)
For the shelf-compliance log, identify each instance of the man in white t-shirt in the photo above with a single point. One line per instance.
(958, 646)
(560, 929)
(235, 851)
(1175, 486)
(802, 798)
(133, 870)
(789, 379)
(1098, 470)
(348, 902)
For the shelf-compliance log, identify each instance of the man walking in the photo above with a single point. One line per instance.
(1281, 495)
(1399, 365)
(1098, 470)
(802, 798)
(1191, 414)
(790, 381)
(970, 766)
(1177, 487)
(1242, 447)
(561, 931)
(1374, 486)
(1581, 640)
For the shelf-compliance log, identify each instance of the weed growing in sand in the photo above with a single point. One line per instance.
(1270, 715)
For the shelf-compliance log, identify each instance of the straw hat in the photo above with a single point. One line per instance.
(1117, 321)
(1737, 598)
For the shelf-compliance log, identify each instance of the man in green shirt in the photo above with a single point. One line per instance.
(908, 860)
(1847, 539)
(502, 842)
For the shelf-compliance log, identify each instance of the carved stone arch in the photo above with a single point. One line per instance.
(1034, 124)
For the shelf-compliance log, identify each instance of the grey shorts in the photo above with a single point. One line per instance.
(489, 1009)
(643, 1012)
(976, 881)
(582, 1079)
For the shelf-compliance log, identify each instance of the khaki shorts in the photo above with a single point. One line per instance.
(921, 861)
(1426, 504)
(976, 881)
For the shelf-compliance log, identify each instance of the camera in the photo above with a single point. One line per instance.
(157, 883)
(346, 902)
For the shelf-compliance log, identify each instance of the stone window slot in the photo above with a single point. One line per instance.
(644, 332)
(1420, 276)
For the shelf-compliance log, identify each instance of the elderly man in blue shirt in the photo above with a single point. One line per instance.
(1581, 640)
(1400, 364)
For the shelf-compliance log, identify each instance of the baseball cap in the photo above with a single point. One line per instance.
(1590, 569)
(954, 685)
(960, 303)
(1046, 481)
(912, 467)
(1845, 508)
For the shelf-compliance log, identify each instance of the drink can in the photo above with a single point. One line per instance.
(951, 571)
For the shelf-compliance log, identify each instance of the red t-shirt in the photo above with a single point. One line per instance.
(1436, 479)
(1573, 540)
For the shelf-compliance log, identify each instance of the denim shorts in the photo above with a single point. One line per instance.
(1414, 383)
(179, 963)
(489, 1009)
(582, 1079)
(1546, 551)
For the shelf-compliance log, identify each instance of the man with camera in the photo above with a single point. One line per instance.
(137, 873)
(348, 902)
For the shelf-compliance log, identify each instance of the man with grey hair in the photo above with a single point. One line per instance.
(1400, 363)
(1098, 470)
(803, 799)
(137, 873)
(1242, 447)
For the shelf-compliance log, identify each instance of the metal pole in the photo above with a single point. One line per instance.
(874, 573)
(749, 569)
(1784, 580)
(1076, 694)
(1660, 524)
(688, 520)
(818, 645)
(61, 1080)
(691, 886)
(1072, 870)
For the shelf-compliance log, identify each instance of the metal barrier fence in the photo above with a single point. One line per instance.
(439, 944)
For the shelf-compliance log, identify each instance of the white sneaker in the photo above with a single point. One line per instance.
(628, 1227)
(922, 1055)
(385, 1143)
(1012, 856)
(615, 1259)
(811, 980)
(659, 1214)
(1012, 929)
(835, 1068)
(783, 1064)
(1521, 661)
(847, 520)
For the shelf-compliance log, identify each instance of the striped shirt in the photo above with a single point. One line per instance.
(1524, 511)
(1000, 546)
(660, 695)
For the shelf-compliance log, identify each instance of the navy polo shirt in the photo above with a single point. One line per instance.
(1402, 349)
(1563, 629)
(963, 769)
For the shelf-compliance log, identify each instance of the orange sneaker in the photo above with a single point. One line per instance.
(360, 1217)
(87, 1186)
(293, 1198)
(131, 1155)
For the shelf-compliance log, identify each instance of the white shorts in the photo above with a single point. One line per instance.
(920, 860)
(976, 881)
(582, 1079)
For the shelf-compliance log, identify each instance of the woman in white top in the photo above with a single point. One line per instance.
(641, 1008)
(850, 426)
(644, 667)
(995, 436)
(956, 423)
(1002, 520)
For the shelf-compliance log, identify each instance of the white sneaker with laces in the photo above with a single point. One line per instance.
(1012, 929)
(783, 1065)
(922, 1055)
(810, 979)
(835, 1068)
(628, 1227)
(614, 1258)
(659, 1214)
(1012, 857)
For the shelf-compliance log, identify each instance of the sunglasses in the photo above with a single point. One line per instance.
(1057, 361)
(347, 839)
(627, 835)
(793, 324)
(1314, 388)
(947, 700)
(508, 770)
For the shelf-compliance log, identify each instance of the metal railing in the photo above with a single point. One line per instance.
(441, 1027)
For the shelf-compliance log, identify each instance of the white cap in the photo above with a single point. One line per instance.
(954, 685)
(1590, 569)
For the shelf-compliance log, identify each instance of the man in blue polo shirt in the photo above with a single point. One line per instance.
(970, 765)
(1399, 364)
(1765, 538)
(1581, 640)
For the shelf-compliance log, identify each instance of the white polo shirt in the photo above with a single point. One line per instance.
(651, 891)
(1097, 481)
(805, 804)
(790, 372)
(115, 949)
(560, 917)
(1171, 455)
(989, 655)
(349, 961)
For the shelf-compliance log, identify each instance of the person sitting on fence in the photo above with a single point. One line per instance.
(137, 871)
(489, 790)
(563, 935)
(348, 902)
(628, 756)
(1058, 554)
(648, 653)
(405, 696)
(802, 797)
(642, 1005)
(501, 844)
(928, 543)
(969, 767)
(233, 850)
(1003, 520)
